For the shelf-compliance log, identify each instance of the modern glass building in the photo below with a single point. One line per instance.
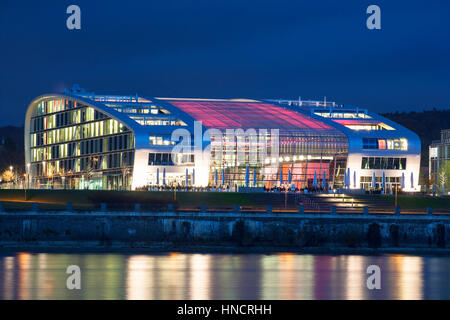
(81, 140)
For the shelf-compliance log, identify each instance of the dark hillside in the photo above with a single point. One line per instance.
(11, 148)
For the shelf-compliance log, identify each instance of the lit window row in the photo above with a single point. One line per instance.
(159, 141)
(73, 149)
(369, 127)
(140, 110)
(385, 144)
(66, 118)
(86, 165)
(55, 105)
(149, 121)
(83, 131)
(343, 115)
(168, 159)
(383, 163)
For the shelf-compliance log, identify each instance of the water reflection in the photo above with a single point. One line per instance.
(222, 276)
(355, 279)
(199, 276)
(407, 273)
(139, 272)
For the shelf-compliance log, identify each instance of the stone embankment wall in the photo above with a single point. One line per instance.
(296, 230)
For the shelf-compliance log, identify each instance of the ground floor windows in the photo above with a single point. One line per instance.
(383, 163)
(305, 174)
(111, 180)
(390, 182)
(84, 172)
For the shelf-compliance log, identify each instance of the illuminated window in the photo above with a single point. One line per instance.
(383, 144)
(433, 152)
(383, 163)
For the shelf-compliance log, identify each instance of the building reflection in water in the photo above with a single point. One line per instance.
(200, 277)
(43, 278)
(223, 276)
(406, 273)
(8, 288)
(171, 276)
(287, 276)
(24, 262)
(355, 280)
(323, 276)
(229, 275)
(140, 284)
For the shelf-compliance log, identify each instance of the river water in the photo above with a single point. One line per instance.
(222, 276)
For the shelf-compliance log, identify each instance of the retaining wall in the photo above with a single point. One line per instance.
(296, 230)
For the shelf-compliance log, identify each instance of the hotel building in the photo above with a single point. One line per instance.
(81, 140)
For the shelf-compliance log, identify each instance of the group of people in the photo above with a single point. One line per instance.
(297, 190)
(183, 188)
(227, 188)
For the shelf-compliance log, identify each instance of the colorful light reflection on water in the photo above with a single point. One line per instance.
(222, 276)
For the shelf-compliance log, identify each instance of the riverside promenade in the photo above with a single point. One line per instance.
(240, 228)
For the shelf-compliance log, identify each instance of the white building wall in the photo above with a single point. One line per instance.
(412, 167)
(146, 175)
(412, 155)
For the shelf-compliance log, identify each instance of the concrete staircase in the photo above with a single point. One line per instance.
(344, 203)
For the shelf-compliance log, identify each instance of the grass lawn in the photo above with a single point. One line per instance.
(89, 199)
(92, 198)
(422, 202)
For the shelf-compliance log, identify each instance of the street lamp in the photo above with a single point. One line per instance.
(11, 170)
(396, 191)
(28, 175)
(27, 180)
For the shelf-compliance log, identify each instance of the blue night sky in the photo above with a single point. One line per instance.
(228, 49)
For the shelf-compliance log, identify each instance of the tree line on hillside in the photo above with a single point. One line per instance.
(12, 153)
(426, 124)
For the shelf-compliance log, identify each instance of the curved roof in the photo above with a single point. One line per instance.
(213, 113)
(233, 114)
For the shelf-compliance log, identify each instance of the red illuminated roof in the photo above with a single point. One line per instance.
(224, 114)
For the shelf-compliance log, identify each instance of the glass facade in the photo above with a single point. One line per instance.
(303, 154)
(75, 146)
(307, 147)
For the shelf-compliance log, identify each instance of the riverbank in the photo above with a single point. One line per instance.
(164, 248)
(225, 232)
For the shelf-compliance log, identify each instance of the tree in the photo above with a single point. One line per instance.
(8, 176)
(444, 175)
